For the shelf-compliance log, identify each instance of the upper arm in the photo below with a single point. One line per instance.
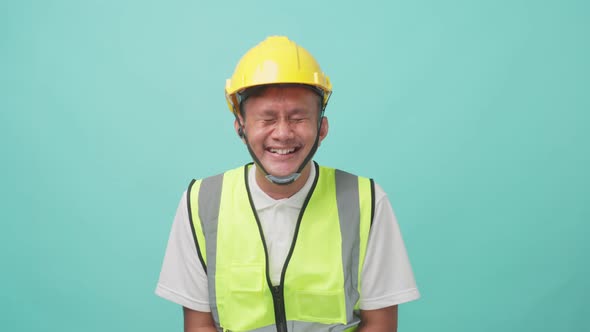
(182, 278)
(379, 320)
(198, 321)
(387, 278)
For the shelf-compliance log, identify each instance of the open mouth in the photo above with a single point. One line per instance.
(283, 152)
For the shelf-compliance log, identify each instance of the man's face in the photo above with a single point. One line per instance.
(281, 126)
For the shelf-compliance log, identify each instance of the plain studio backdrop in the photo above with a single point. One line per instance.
(472, 115)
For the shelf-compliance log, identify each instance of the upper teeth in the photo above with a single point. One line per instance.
(282, 151)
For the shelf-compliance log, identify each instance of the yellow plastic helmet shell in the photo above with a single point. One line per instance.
(276, 60)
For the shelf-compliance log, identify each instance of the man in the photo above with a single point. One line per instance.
(284, 244)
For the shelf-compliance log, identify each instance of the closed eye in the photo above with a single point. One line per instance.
(299, 119)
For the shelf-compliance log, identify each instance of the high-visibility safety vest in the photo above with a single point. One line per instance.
(320, 280)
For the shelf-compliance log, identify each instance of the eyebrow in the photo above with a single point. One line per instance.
(296, 111)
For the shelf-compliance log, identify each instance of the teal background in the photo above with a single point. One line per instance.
(472, 115)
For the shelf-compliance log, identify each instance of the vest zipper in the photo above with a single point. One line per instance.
(279, 305)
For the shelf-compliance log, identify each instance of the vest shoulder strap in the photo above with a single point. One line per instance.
(355, 196)
(203, 201)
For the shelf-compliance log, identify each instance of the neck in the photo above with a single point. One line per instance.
(277, 191)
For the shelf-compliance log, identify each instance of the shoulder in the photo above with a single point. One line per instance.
(378, 190)
(380, 194)
(234, 171)
(327, 169)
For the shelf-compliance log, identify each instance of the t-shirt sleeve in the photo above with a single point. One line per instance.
(182, 278)
(387, 278)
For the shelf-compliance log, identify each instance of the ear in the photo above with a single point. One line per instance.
(238, 129)
(323, 129)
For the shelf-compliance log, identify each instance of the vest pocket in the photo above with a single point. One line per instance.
(321, 306)
(248, 303)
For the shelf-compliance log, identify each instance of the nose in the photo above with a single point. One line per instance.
(282, 130)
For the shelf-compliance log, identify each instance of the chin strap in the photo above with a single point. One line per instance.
(283, 180)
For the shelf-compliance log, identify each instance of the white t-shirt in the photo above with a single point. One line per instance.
(386, 279)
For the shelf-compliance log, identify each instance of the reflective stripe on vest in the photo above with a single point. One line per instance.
(320, 283)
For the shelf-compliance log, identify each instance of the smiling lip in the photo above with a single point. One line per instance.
(282, 151)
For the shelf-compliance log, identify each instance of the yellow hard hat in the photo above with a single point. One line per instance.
(276, 60)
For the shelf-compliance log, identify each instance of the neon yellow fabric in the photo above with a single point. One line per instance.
(194, 197)
(244, 300)
(314, 281)
(365, 226)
